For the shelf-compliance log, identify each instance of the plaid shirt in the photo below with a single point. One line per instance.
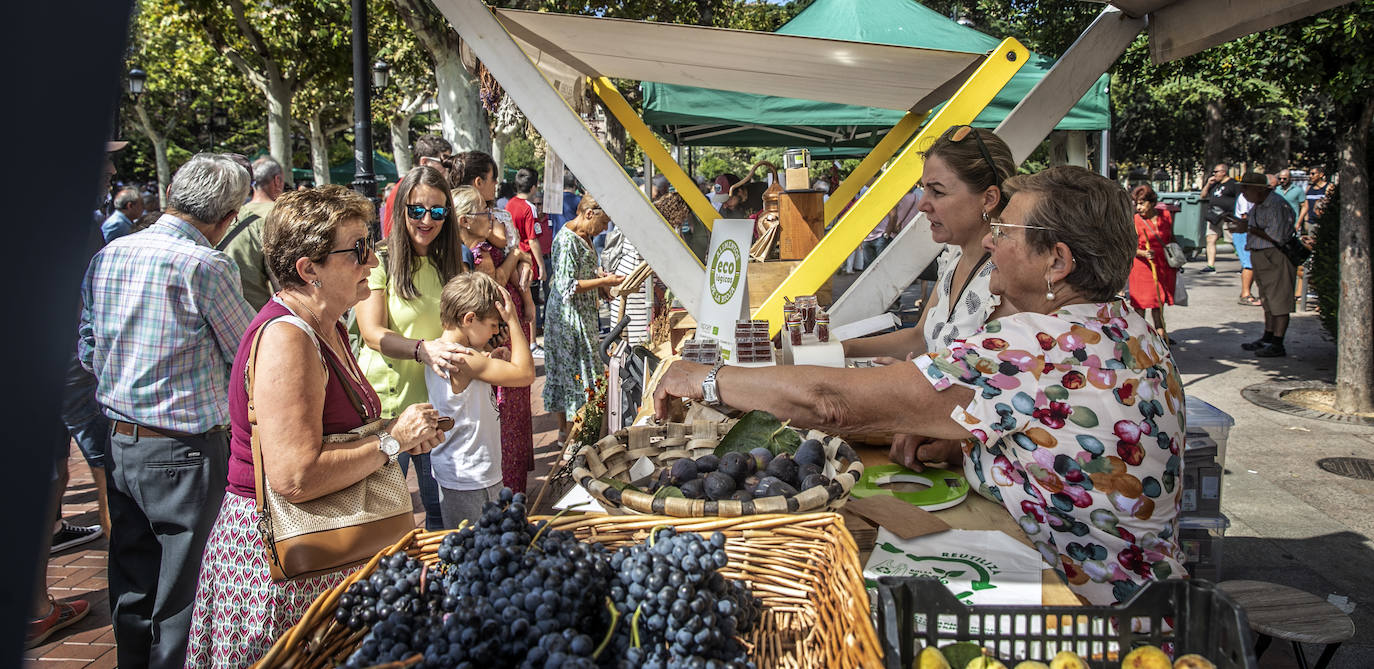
(161, 318)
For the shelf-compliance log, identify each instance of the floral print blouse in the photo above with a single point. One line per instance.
(1077, 424)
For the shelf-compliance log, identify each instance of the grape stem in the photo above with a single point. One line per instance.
(634, 627)
(615, 621)
(548, 523)
(653, 533)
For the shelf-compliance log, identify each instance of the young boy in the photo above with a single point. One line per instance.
(467, 465)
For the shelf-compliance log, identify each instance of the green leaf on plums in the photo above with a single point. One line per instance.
(669, 491)
(618, 484)
(759, 428)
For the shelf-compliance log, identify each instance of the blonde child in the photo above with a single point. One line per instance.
(467, 465)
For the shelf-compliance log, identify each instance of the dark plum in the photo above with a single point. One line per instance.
(694, 489)
(683, 470)
(762, 457)
(811, 451)
(814, 480)
(784, 468)
(719, 486)
(735, 465)
(707, 464)
(742, 495)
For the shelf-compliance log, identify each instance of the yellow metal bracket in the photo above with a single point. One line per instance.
(894, 140)
(896, 181)
(686, 187)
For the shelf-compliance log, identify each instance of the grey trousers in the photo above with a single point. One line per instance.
(460, 505)
(164, 494)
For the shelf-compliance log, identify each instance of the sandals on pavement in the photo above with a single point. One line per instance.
(1250, 301)
(60, 616)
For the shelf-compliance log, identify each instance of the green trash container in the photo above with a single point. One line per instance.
(1190, 229)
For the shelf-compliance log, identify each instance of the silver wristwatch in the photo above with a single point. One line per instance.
(709, 393)
(388, 445)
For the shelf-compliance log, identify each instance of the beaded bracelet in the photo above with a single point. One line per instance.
(418, 342)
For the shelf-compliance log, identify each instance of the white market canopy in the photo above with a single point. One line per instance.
(569, 48)
(1180, 28)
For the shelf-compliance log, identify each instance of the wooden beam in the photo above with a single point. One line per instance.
(686, 187)
(895, 182)
(563, 129)
(907, 254)
(1186, 27)
(1073, 74)
(873, 162)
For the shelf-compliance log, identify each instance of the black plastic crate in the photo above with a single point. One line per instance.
(1204, 621)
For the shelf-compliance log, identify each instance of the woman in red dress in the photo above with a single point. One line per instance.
(474, 226)
(1152, 279)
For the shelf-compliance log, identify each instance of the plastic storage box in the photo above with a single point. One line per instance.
(1200, 537)
(1204, 621)
(1204, 420)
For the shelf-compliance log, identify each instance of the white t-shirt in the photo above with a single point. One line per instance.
(470, 456)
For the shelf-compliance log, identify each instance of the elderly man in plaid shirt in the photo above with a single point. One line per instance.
(161, 320)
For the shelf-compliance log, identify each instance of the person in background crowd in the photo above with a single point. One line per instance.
(535, 240)
(1270, 223)
(1061, 250)
(1318, 191)
(478, 169)
(243, 242)
(474, 309)
(399, 320)
(573, 361)
(569, 210)
(1292, 193)
(128, 207)
(473, 217)
(1152, 280)
(152, 204)
(161, 361)
(430, 150)
(1238, 239)
(305, 379)
(47, 615)
(504, 192)
(1218, 200)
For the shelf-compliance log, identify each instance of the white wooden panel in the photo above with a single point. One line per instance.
(1186, 27)
(569, 138)
(811, 68)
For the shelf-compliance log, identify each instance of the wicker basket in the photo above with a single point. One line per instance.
(612, 457)
(804, 568)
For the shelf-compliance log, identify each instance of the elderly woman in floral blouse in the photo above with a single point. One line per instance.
(1072, 401)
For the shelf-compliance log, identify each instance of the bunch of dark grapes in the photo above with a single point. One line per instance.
(681, 611)
(506, 593)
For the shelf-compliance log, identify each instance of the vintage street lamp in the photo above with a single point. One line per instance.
(381, 75)
(137, 78)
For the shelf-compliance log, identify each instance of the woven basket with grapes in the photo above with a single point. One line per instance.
(737, 467)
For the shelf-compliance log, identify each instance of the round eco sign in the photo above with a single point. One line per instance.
(725, 271)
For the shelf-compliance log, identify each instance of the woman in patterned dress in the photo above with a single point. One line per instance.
(1073, 403)
(571, 359)
(316, 241)
(475, 222)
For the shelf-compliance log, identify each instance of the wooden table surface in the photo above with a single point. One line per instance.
(1289, 613)
(978, 513)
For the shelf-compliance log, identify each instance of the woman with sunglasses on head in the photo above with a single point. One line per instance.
(399, 320)
(474, 219)
(963, 175)
(1067, 411)
(572, 360)
(306, 384)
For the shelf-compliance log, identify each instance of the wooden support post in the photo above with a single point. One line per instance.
(1023, 129)
(869, 166)
(657, 241)
(634, 126)
(855, 224)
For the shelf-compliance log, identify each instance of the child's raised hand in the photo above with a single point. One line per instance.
(506, 310)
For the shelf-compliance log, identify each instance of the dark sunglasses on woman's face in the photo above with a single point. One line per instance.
(417, 212)
(361, 250)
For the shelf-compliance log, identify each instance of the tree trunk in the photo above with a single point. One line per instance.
(1355, 353)
(319, 150)
(1279, 148)
(1216, 122)
(462, 120)
(400, 143)
(279, 125)
(159, 140)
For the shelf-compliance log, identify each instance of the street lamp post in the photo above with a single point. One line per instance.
(364, 180)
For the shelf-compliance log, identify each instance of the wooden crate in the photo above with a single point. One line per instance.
(765, 277)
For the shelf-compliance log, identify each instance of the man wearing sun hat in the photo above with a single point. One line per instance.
(1270, 223)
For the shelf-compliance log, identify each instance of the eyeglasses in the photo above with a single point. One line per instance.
(417, 212)
(999, 233)
(962, 133)
(361, 250)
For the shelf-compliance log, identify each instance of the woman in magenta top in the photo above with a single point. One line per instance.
(307, 385)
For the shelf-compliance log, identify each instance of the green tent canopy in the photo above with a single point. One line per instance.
(342, 173)
(704, 117)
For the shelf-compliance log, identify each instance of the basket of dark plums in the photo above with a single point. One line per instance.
(735, 467)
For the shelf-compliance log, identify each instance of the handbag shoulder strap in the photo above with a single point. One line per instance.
(243, 225)
(259, 482)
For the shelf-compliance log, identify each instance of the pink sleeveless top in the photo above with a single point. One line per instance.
(339, 413)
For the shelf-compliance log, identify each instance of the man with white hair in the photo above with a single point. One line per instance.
(243, 242)
(161, 319)
(128, 206)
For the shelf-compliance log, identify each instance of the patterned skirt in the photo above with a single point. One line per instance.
(240, 612)
(517, 435)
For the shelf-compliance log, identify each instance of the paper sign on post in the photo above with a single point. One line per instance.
(725, 297)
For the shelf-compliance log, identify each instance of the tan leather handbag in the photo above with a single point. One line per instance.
(338, 530)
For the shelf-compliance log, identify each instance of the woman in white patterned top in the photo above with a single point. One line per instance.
(964, 171)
